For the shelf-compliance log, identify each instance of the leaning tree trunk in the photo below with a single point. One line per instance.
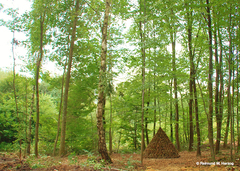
(65, 101)
(101, 89)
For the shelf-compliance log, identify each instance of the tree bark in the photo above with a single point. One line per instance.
(101, 89)
(65, 101)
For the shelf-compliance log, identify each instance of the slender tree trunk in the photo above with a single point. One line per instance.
(197, 120)
(217, 95)
(30, 124)
(154, 89)
(65, 101)
(119, 141)
(238, 128)
(229, 88)
(146, 130)
(15, 94)
(110, 127)
(184, 127)
(189, 18)
(159, 111)
(142, 35)
(26, 115)
(155, 103)
(210, 89)
(171, 112)
(232, 119)
(219, 117)
(230, 63)
(60, 110)
(39, 60)
(135, 130)
(175, 90)
(101, 89)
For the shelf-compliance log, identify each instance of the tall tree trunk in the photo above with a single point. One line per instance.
(238, 128)
(142, 35)
(65, 101)
(15, 93)
(30, 124)
(189, 19)
(101, 89)
(231, 70)
(154, 89)
(39, 60)
(175, 89)
(60, 110)
(217, 95)
(220, 113)
(210, 89)
(229, 117)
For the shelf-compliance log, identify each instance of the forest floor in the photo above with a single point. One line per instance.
(186, 162)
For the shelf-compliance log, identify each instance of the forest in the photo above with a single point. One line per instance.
(126, 69)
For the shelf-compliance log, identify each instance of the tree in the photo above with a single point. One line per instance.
(101, 88)
(65, 101)
(142, 35)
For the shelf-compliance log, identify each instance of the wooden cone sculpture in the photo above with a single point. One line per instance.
(160, 147)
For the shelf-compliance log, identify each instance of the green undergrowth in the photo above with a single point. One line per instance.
(94, 162)
(42, 161)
